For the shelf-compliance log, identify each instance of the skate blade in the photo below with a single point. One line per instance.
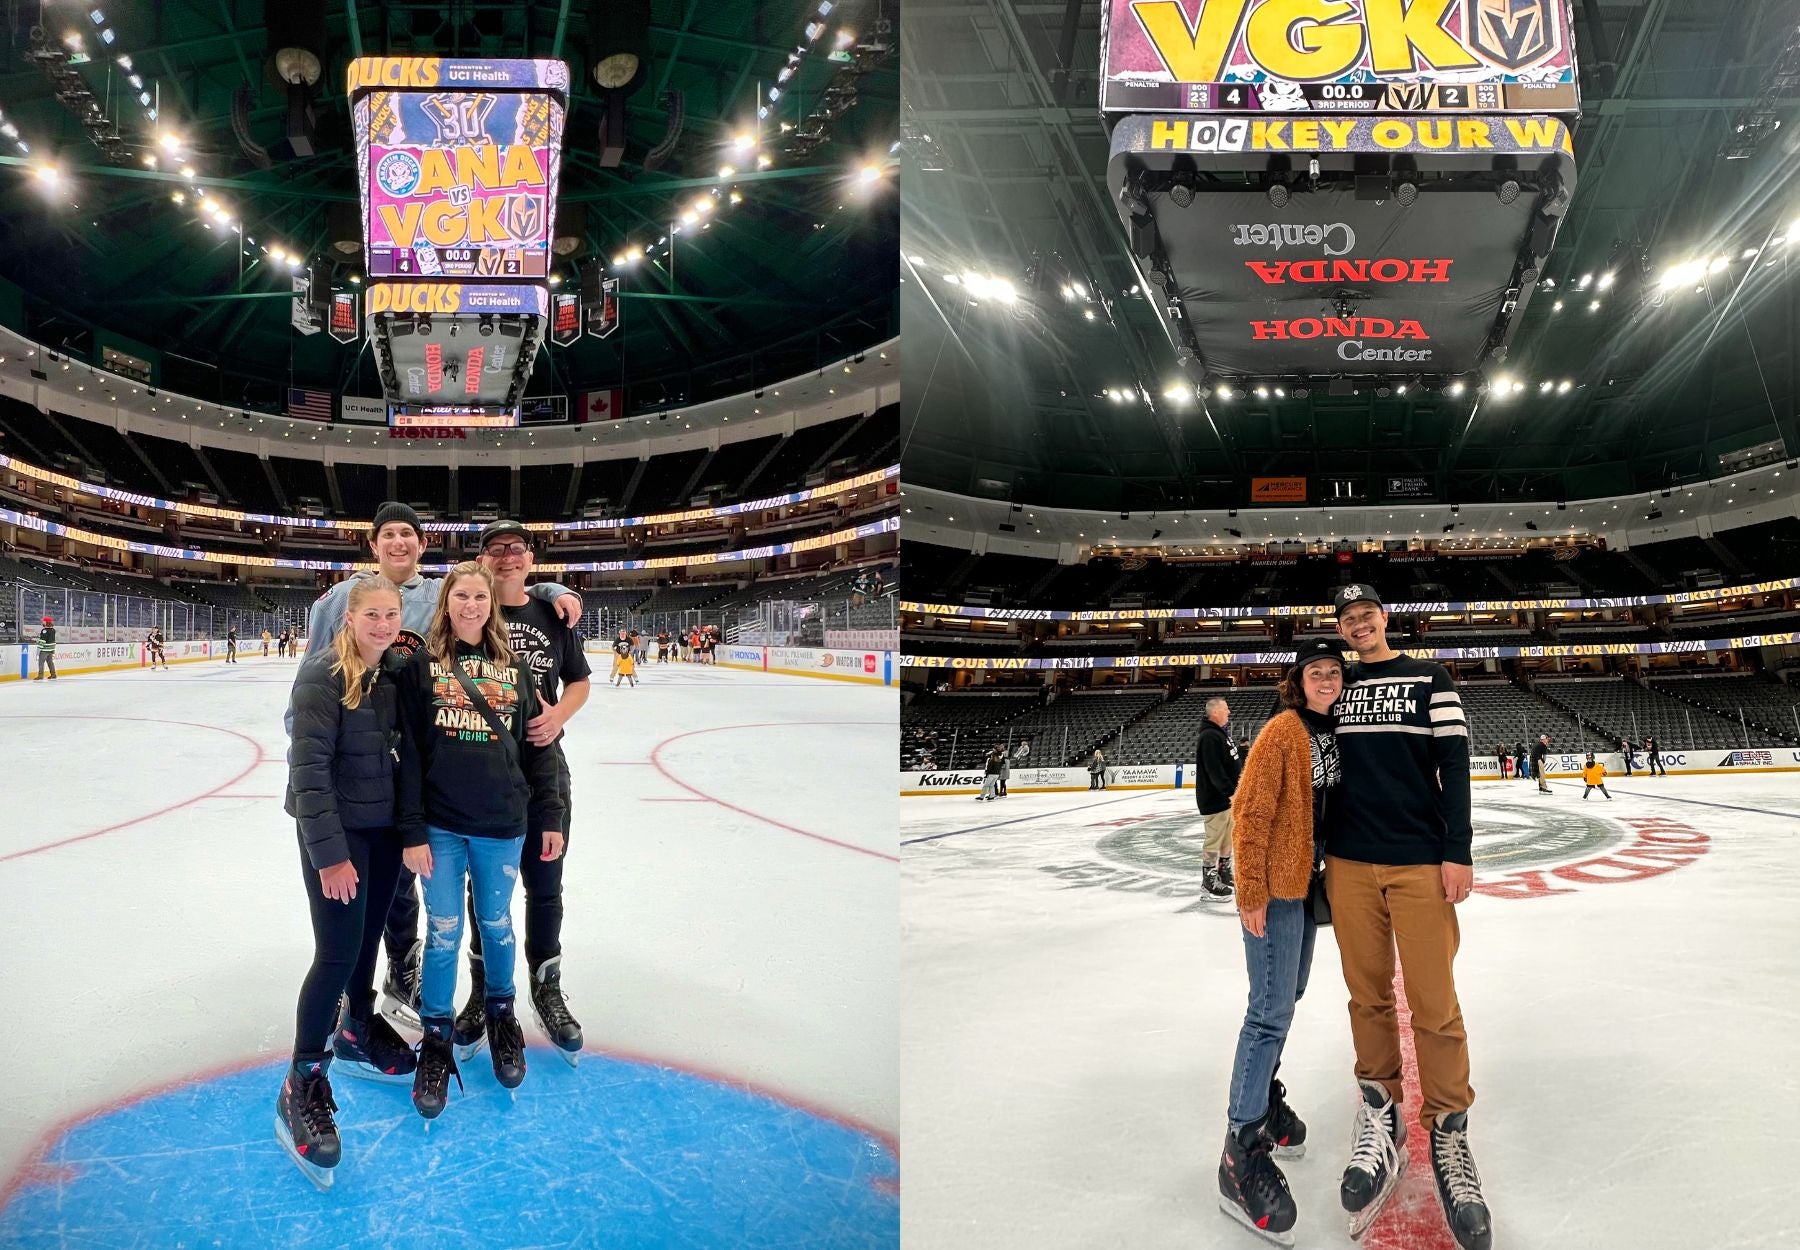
(369, 1072)
(1237, 1213)
(398, 1013)
(466, 1051)
(1297, 1151)
(321, 1177)
(1360, 1220)
(570, 1057)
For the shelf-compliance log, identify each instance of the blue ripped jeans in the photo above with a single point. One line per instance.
(1279, 963)
(492, 868)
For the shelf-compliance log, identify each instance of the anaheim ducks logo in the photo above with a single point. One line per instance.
(1516, 34)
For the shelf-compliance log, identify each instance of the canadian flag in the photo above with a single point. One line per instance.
(601, 406)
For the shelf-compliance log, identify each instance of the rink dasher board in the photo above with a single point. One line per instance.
(1564, 766)
(108, 657)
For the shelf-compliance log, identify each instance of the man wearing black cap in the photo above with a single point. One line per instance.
(553, 653)
(1397, 863)
(397, 538)
(46, 645)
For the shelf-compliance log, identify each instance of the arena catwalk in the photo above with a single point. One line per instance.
(740, 1082)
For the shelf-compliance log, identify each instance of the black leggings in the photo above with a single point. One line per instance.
(543, 893)
(343, 946)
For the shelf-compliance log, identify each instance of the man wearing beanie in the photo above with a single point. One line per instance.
(46, 644)
(1397, 863)
(398, 540)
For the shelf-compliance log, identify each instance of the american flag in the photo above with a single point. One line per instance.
(312, 405)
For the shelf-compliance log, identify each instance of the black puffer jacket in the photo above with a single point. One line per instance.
(341, 763)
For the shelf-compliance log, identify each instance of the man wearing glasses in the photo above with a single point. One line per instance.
(553, 653)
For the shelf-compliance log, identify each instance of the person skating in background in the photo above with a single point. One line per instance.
(993, 765)
(397, 538)
(1503, 759)
(553, 654)
(1540, 752)
(471, 783)
(267, 638)
(153, 643)
(231, 644)
(662, 646)
(1217, 761)
(624, 667)
(1521, 761)
(1653, 754)
(1097, 770)
(1628, 753)
(1279, 819)
(46, 650)
(1398, 862)
(1021, 754)
(1593, 774)
(340, 792)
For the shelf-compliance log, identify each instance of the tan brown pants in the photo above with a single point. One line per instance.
(1374, 909)
(1218, 836)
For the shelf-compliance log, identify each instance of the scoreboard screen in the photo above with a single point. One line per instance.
(458, 163)
(1282, 56)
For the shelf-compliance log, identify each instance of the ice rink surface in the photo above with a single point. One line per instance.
(1629, 976)
(729, 947)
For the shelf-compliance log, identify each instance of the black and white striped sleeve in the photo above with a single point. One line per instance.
(1450, 750)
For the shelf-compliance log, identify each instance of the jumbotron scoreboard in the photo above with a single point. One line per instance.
(1340, 189)
(458, 162)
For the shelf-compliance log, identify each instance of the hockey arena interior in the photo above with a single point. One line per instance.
(1223, 319)
(621, 274)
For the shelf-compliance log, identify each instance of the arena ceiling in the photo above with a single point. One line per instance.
(799, 273)
(1640, 379)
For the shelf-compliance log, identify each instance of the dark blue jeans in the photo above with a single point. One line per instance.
(1279, 963)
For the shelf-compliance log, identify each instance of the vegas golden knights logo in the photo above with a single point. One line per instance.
(1409, 97)
(1515, 34)
(524, 217)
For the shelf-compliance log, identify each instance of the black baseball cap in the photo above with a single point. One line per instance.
(499, 529)
(1355, 592)
(1318, 649)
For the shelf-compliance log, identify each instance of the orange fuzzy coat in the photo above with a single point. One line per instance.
(1272, 815)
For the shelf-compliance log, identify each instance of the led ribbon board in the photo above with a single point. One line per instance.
(458, 162)
(1338, 56)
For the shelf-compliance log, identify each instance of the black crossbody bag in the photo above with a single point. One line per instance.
(1318, 904)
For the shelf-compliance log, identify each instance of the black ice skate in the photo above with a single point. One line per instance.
(1459, 1185)
(1225, 873)
(1214, 884)
(303, 1123)
(1377, 1158)
(1252, 1189)
(470, 1032)
(506, 1043)
(1285, 1130)
(370, 1049)
(400, 991)
(437, 1064)
(552, 1011)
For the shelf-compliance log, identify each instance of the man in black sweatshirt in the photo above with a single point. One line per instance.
(1540, 752)
(1216, 766)
(1397, 863)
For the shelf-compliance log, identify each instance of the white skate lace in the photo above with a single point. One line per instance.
(1456, 1166)
(1373, 1150)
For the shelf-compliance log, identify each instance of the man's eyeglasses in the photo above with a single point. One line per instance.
(500, 552)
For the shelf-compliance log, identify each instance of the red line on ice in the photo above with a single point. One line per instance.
(1414, 1219)
(656, 759)
(255, 747)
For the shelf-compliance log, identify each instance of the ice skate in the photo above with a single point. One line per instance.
(371, 1050)
(552, 1013)
(1225, 873)
(469, 1034)
(1285, 1130)
(1213, 883)
(400, 991)
(1458, 1183)
(303, 1121)
(1252, 1189)
(1377, 1158)
(506, 1043)
(437, 1064)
